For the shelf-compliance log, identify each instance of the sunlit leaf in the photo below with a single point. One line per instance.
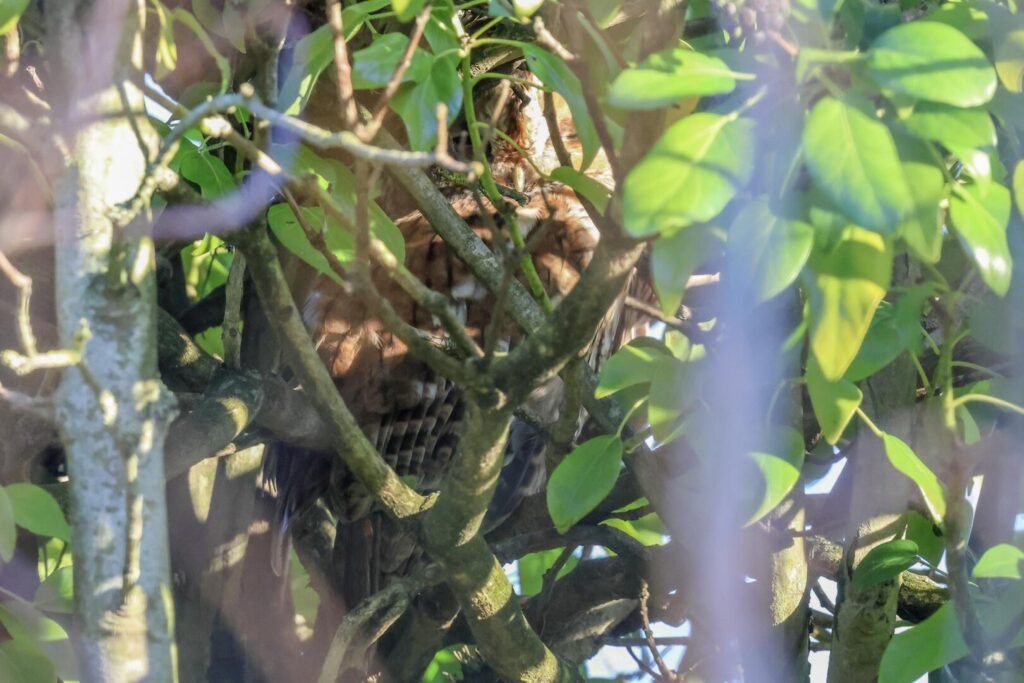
(780, 470)
(166, 47)
(932, 61)
(834, 402)
(853, 159)
(669, 76)
(587, 187)
(1002, 561)
(927, 536)
(767, 251)
(207, 171)
(583, 479)
(849, 281)
(8, 532)
(10, 12)
(884, 562)
(632, 364)
(689, 175)
(1009, 56)
(955, 128)
(36, 510)
(1018, 188)
(674, 385)
(405, 10)
(980, 215)
(922, 228)
(674, 259)
(906, 461)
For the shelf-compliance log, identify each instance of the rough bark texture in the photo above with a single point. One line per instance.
(112, 408)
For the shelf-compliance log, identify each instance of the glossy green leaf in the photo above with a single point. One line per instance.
(853, 160)
(767, 251)
(884, 562)
(1002, 561)
(207, 171)
(690, 174)
(964, 15)
(633, 364)
(927, 536)
(956, 129)
(583, 479)
(56, 593)
(374, 65)
(1009, 56)
(648, 530)
(834, 402)
(981, 213)
(928, 646)
(405, 10)
(674, 259)
(669, 76)
(1018, 188)
(36, 510)
(289, 232)
(585, 186)
(8, 530)
(922, 229)
(932, 61)
(22, 661)
(674, 385)
(905, 460)
(417, 103)
(533, 566)
(894, 329)
(10, 12)
(780, 470)
(848, 282)
(558, 77)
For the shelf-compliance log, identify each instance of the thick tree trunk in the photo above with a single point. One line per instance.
(112, 408)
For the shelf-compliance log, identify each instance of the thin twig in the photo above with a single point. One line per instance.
(231, 330)
(369, 130)
(23, 283)
(346, 96)
(645, 618)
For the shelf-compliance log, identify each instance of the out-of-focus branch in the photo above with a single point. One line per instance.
(346, 96)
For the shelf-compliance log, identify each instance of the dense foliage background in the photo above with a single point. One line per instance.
(813, 448)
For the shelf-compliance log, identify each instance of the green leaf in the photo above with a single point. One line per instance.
(674, 259)
(669, 76)
(884, 562)
(1002, 561)
(674, 385)
(10, 12)
(930, 544)
(583, 479)
(36, 510)
(932, 644)
(405, 10)
(28, 625)
(853, 159)
(981, 213)
(958, 130)
(22, 661)
(56, 593)
(289, 232)
(166, 46)
(585, 186)
(631, 365)
(780, 470)
(690, 174)
(964, 16)
(849, 281)
(417, 103)
(922, 230)
(374, 65)
(932, 61)
(834, 402)
(894, 329)
(767, 251)
(533, 566)
(648, 530)
(205, 170)
(558, 77)
(906, 461)
(305, 599)
(1018, 188)
(1009, 56)
(8, 532)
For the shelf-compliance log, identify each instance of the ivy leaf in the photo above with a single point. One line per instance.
(36, 510)
(981, 213)
(8, 530)
(852, 157)
(558, 77)
(767, 251)
(1001, 561)
(670, 76)
(834, 402)
(780, 470)
(849, 282)
(374, 65)
(904, 459)
(932, 61)
(583, 479)
(884, 562)
(674, 259)
(417, 103)
(1009, 56)
(10, 12)
(690, 174)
